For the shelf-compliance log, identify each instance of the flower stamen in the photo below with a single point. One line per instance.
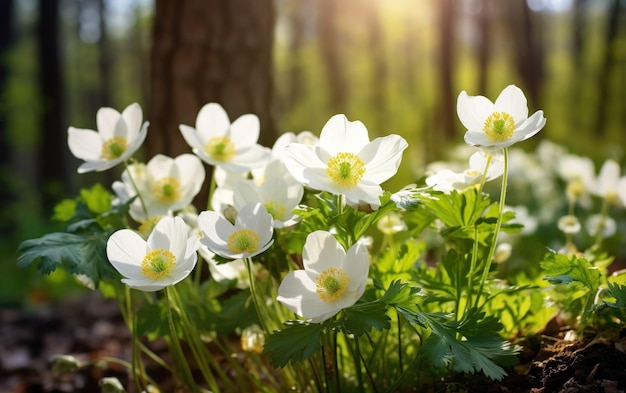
(167, 190)
(158, 264)
(345, 169)
(332, 284)
(243, 241)
(220, 148)
(114, 148)
(499, 126)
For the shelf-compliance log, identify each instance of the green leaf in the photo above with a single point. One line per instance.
(468, 346)
(97, 198)
(618, 292)
(298, 342)
(565, 269)
(78, 253)
(64, 210)
(361, 318)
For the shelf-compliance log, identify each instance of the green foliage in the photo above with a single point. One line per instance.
(81, 249)
(297, 342)
(470, 345)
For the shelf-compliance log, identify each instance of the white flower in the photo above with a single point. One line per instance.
(391, 223)
(597, 223)
(331, 280)
(165, 184)
(609, 185)
(346, 162)
(219, 143)
(446, 180)
(500, 124)
(578, 172)
(569, 224)
(277, 196)
(166, 258)
(117, 138)
(249, 236)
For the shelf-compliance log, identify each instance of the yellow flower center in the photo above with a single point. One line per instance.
(499, 126)
(220, 148)
(243, 241)
(167, 190)
(332, 284)
(158, 264)
(345, 169)
(277, 210)
(114, 148)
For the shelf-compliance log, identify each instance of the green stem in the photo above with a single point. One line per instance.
(473, 261)
(604, 212)
(138, 376)
(494, 242)
(253, 294)
(178, 351)
(198, 348)
(130, 176)
(400, 366)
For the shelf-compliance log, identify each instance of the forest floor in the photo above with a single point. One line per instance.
(91, 328)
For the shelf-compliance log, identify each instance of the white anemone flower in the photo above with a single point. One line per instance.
(332, 279)
(249, 236)
(165, 184)
(599, 225)
(345, 162)
(446, 180)
(219, 143)
(499, 124)
(166, 258)
(609, 185)
(119, 135)
(277, 196)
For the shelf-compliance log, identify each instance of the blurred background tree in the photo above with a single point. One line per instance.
(398, 66)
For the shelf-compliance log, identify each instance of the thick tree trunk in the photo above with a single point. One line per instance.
(53, 144)
(209, 51)
(7, 195)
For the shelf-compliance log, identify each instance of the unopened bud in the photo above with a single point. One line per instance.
(61, 364)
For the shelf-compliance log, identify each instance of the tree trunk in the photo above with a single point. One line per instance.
(445, 130)
(606, 77)
(53, 139)
(209, 51)
(527, 46)
(7, 195)
(330, 48)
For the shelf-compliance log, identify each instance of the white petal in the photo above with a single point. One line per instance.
(356, 265)
(126, 250)
(532, 125)
(249, 158)
(84, 144)
(192, 137)
(244, 132)
(145, 285)
(382, 157)
(512, 101)
(340, 135)
(133, 117)
(106, 121)
(299, 157)
(366, 191)
(322, 251)
(473, 110)
(212, 119)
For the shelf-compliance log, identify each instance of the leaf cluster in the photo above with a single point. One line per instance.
(81, 249)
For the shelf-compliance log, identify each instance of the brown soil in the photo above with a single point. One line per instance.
(91, 328)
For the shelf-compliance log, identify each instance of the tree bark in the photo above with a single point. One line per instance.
(330, 49)
(7, 195)
(447, 100)
(53, 134)
(209, 51)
